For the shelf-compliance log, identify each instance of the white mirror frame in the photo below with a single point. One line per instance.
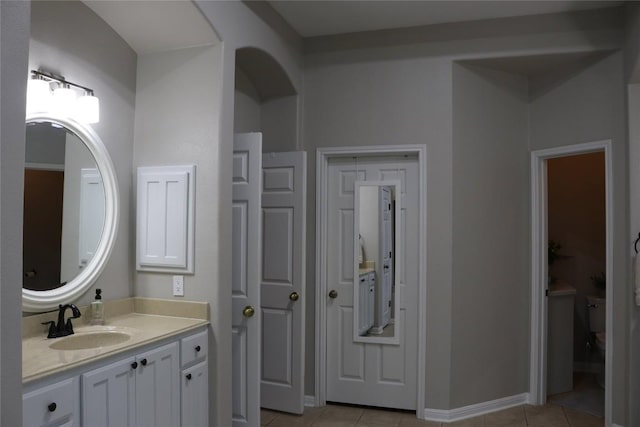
(397, 265)
(37, 301)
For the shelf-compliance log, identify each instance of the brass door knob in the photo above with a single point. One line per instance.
(333, 294)
(293, 296)
(248, 311)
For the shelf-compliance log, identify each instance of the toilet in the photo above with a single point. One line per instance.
(596, 309)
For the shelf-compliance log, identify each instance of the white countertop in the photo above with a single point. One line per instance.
(39, 360)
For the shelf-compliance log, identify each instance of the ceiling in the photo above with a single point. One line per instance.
(312, 18)
(153, 26)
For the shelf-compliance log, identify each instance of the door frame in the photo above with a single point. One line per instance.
(323, 155)
(538, 362)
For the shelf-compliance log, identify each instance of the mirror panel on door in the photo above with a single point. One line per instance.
(376, 237)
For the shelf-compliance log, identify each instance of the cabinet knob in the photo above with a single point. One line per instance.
(134, 365)
(188, 376)
(52, 406)
(197, 348)
(143, 362)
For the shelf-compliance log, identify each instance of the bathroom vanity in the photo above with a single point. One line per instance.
(560, 338)
(157, 376)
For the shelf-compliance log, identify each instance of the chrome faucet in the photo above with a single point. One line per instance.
(62, 329)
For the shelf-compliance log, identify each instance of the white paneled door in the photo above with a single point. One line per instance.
(246, 247)
(372, 374)
(282, 283)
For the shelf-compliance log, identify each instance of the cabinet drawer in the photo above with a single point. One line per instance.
(52, 403)
(194, 348)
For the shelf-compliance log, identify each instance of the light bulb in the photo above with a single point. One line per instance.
(64, 101)
(38, 96)
(88, 109)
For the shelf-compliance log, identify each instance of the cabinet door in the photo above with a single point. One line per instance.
(195, 390)
(158, 387)
(53, 405)
(108, 395)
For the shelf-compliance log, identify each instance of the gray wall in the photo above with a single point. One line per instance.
(178, 124)
(634, 209)
(632, 78)
(591, 107)
(94, 55)
(489, 356)
(401, 101)
(14, 34)
(401, 87)
(276, 118)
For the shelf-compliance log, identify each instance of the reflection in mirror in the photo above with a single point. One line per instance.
(64, 206)
(375, 241)
(83, 208)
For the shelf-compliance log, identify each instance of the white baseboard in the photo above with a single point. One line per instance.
(309, 401)
(457, 414)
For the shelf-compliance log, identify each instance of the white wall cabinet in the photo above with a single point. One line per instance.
(55, 405)
(165, 386)
(165, 217)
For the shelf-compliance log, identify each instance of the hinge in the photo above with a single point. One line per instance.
(546, 292)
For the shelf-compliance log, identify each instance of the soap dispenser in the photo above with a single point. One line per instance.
(97, 309)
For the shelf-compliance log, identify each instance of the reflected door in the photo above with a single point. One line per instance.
(373, 374)
(386, 260)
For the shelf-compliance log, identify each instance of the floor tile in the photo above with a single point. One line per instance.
(341, 413)
(333, 423)
(412, 421)
(352, 416)
(512, 417)
(266, 416)
(470, 422)
(379, 417)
(545, 416)
(582, 419)
(290, 420)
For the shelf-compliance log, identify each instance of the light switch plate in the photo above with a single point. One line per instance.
(178, 286)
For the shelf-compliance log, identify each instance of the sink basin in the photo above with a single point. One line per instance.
(87, 340)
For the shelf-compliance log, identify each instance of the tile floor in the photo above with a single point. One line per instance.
(353, 416)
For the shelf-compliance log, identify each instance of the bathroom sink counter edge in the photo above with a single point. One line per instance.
(149, 321)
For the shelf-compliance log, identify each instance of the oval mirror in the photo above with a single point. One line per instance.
(70, 211)
(376, 303)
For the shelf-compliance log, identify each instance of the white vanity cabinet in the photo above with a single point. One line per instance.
(55, 405)
(157, 386)
(195, 380)
(108, 395)
(137, 391)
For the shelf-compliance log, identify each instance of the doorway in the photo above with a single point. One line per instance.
(353, 372)
(554, 252)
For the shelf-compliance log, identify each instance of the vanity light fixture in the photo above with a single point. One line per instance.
(63, 100)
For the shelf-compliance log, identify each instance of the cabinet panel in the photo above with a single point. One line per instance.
(53, 405)
(108, 395)
(165, 218)
(195, 391)
(194, 348)
(158, 387)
